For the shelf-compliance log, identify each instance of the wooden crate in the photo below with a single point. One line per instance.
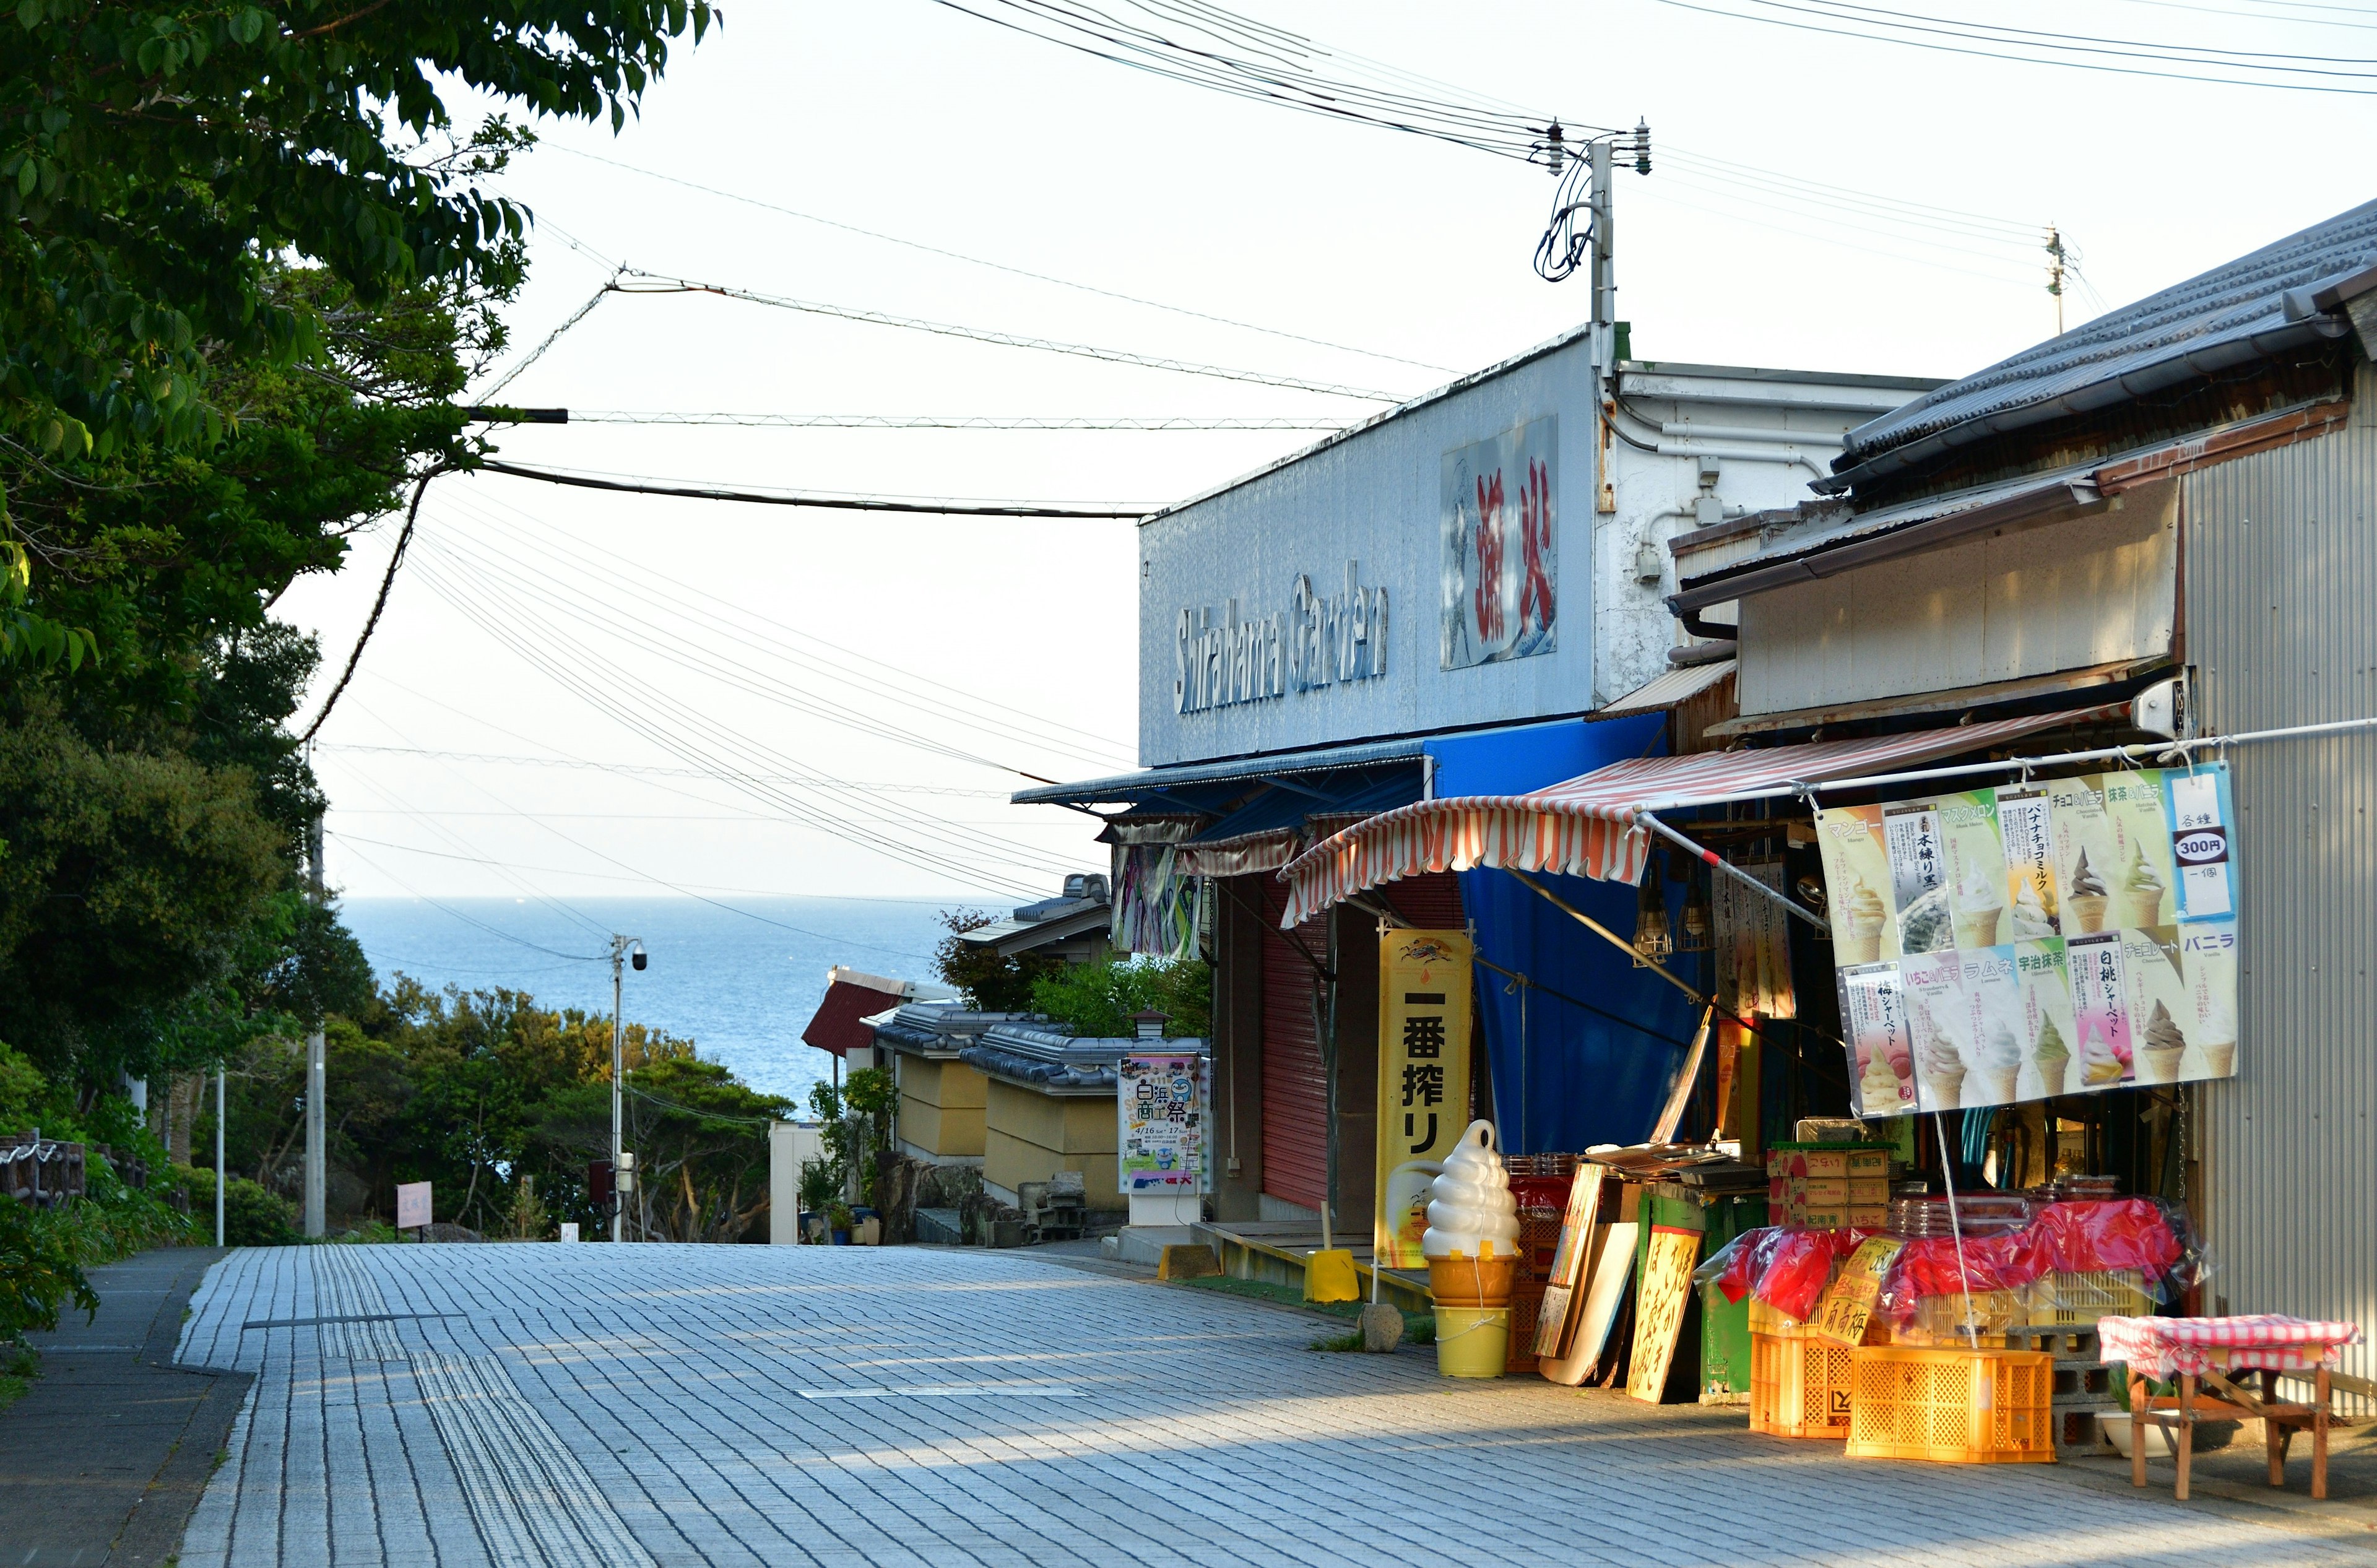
(1951, 1406)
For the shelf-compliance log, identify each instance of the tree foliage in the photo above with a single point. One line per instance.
(157, 155)
(989, 981)
(1104, 998)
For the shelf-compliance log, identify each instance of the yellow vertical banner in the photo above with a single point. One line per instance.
(1424, 1025)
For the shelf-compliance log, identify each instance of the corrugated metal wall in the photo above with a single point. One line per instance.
(2281, 626)
(1294, 1096)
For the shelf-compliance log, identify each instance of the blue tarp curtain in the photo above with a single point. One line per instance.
(1576, 1077)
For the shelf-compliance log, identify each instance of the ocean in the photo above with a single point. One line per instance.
(741, 983)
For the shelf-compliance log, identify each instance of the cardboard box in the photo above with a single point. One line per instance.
(1869, 1163)
(1825, 1192)
(1823, 1164)
(1868, 1192)
(1826, 1219)
(1874, 1216)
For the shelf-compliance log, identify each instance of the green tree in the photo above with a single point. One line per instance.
(157, 155)
(1103, 999)
(989, 981)
(700, 1139)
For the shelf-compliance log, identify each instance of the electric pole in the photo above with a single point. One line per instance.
(223, 1072)
(623, 1180)
(317, 1066)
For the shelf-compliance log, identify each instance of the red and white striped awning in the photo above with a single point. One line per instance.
(1586, 827)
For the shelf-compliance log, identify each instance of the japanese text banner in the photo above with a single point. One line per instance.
(1423, 1026)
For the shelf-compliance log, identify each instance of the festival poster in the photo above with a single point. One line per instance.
(1993, 1024)
(1937, 1027)
(1160, 1099)
(2196, 800)
(2025, 833)
(1500, 522)
(2208, 965)
(2141, 873)
(2161, 1011)
(2044, 982)
(1857, 883)
(2100, 1009)
(1882, 1055)
(1919, 877)
(1976, 867)
(2084, 854)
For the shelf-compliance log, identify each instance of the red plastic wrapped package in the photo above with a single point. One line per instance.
(2117, 1233)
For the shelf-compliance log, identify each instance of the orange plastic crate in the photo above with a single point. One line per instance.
(1951, 1406)
(1799, 1386)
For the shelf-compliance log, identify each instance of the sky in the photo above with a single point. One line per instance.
(578, 694)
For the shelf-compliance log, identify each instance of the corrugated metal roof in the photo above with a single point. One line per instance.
(1136, 787)
(1666, 689)
(2229, 316)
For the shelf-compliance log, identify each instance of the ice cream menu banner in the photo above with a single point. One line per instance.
(2055, 937)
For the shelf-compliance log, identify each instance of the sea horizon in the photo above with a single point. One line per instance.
(741, 980)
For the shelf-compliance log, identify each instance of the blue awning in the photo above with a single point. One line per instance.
(1153, 784)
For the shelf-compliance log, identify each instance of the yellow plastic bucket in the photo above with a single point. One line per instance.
(1472, 1342)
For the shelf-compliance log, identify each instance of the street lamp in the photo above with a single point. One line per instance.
(623, 1182)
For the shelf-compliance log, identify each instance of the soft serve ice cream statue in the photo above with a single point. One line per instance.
(1473, 1213)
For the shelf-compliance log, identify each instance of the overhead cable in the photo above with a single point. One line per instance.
(1204, 45)
(827, 503)
(567, 552)
(689, 735)
(547, 581)
(1857, 24)
(944, 421)
(550, 338)
(636, 282)
(632, 768)
(1000, 266)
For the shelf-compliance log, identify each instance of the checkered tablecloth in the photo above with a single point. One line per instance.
(2165, 1347)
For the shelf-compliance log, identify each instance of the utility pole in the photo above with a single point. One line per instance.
(222, 1070)
(623, 1180)
(317, 1066)
(2055, 273)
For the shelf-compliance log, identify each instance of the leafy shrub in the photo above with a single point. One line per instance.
(252, 1216)
(41, 1270)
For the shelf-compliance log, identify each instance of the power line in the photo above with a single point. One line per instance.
(709, 612)
(1871, 37)
(683, 740)
(826, 503)
(641, 282)
(1244, 58)
(1002, 267)
(635, 768)
(945, 421)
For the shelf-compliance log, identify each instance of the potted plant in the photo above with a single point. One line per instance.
(838, 1221)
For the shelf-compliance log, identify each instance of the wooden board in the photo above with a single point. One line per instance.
(1608, 1267)
(1563, 1285)
(1667, 1293)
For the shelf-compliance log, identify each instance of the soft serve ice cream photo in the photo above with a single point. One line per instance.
(2027, 835)
(2083, 852)
(1881, 1057)
(2208, 965)
(2100, 1007)
(2141, 868)
(1856, 877)
(2161, 1011)
(1977, 868)
(2046, 1012)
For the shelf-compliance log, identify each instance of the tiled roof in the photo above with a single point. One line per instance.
(2237, 312)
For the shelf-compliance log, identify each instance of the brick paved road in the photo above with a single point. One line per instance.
(600, 1406)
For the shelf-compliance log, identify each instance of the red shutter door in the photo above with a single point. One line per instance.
(1295, 1098)
(1431, 902)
